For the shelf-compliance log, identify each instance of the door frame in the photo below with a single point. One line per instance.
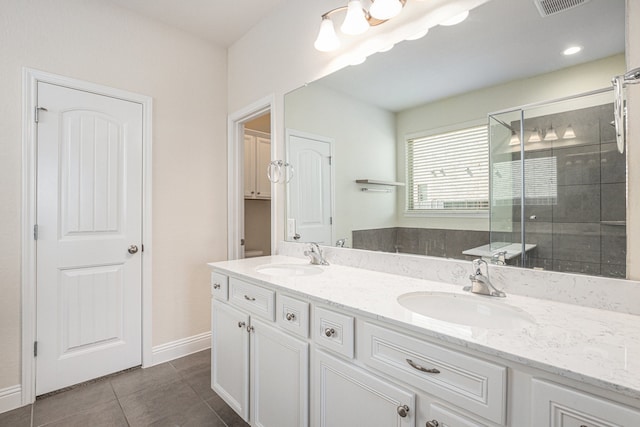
(30, 79)
(235, 173)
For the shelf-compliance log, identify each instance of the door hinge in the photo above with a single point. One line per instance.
(329, 160)
(36, 115)
(35, 349)
(241, 242)
(142, 248)
(330, 220)
(35, 232)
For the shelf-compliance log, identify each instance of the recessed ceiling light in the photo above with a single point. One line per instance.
(572, 50)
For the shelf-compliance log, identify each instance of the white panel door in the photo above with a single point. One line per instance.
(263, 157)
(89, 213)
(309, 191)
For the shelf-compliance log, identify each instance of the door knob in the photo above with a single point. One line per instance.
(132, 249)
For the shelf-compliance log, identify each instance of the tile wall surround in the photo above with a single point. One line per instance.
(589, 291)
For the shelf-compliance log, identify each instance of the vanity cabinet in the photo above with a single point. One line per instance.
(257, 155)
(559, 406)
(261, 371)
(349, 396)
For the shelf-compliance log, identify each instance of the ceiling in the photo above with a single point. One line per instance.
(217, 21)
(502, 40)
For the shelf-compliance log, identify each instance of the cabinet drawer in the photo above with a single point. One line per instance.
(558, 406)
(293, 315)
(465, 381)
(255, 299)
(219, 286)
(444, 417)
(333, 331)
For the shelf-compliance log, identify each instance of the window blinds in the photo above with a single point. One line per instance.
(448, 171)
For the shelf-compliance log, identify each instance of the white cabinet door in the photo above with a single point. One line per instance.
(230, 356)
(558, 406)
(279, 378)
(263, 157)
(349, 396)
(249, 166)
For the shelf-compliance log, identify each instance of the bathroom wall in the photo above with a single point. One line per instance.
(359, 131)
(95, 41)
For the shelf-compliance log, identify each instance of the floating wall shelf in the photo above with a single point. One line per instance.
(378, 182)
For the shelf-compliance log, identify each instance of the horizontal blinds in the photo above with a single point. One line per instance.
(449, 171)
(540, 176)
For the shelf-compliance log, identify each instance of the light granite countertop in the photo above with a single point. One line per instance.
(594, 346)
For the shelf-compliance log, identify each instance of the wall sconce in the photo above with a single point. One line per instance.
(358, 20)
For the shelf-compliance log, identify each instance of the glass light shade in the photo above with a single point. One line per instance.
(550, 135)
(569, 133)
(456, 19)
(327, 38)
(385, 9)
(355, 22)
(514, 138)
(535, 136)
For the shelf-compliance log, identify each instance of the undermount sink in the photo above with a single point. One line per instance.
(469, 310)
(284, 270)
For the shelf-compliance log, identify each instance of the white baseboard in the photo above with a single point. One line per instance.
(182, 347)
(10, 398)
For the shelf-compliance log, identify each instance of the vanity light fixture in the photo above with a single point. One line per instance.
(572, 50)
(550, 134)
(357, 21)
(569, 133)
(386, 9)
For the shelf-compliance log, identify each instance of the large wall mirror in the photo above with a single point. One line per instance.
(409, 152)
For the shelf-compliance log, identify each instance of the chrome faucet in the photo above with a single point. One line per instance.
(341, 242)
(315, 254)
(480, 284)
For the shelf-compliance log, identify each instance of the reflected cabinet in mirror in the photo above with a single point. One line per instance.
(425, 149)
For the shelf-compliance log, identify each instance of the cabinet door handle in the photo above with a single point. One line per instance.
(329, 332)
(216, 286)
(241, 324)
(249, 329)
(434, 423)
(403, 410)
(290, 316)
(421, 368)
(248, 298)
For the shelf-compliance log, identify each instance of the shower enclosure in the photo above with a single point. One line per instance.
(558, 187)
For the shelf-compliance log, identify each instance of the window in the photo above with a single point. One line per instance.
(448, 171)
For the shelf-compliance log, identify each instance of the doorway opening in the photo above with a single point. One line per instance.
(257, 187)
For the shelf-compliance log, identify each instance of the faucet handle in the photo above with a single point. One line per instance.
(477, 266)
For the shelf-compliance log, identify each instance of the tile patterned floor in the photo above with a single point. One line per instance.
(175, 393)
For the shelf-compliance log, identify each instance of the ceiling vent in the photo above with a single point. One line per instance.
(551, 7)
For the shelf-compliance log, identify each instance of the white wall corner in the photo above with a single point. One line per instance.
(10, 398)
(180, 348)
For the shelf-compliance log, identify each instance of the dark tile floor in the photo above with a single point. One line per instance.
(175, 393)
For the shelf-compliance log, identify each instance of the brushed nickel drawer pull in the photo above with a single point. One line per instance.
(422, 369)
(241, 324)
(403, 411)
(435, 423)
(329, 332)
(290, 317)
(216, 286)
(248, 298)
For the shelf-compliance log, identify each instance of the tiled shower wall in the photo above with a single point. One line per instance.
(584, 230)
